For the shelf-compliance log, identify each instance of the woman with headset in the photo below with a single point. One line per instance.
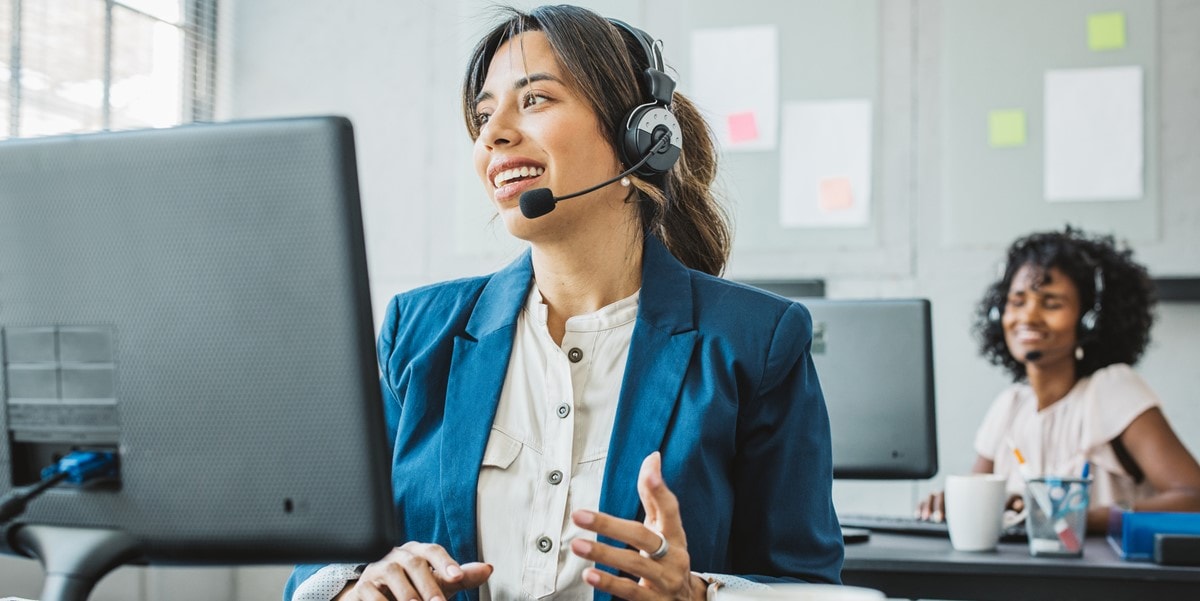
(605, 416)
(1068, 319)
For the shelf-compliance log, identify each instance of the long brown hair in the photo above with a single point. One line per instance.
(604, 64)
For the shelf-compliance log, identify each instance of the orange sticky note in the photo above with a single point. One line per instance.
(835, 195)
(742, 127)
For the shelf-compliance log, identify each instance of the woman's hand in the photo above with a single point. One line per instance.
(663, 566)
(415, 571)
(933, 507)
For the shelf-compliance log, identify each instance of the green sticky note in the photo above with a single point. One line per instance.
(1106, 31)
(1006, 128)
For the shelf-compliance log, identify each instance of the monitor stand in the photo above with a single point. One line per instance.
(74, 559)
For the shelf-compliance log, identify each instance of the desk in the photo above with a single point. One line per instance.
(927, 567)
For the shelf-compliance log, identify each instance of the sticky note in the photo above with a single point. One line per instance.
(1106, 31)
(835, 194)
(1006, 128)
(742, 127)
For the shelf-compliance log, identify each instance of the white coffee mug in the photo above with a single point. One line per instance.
(975, 510)
(800, 592)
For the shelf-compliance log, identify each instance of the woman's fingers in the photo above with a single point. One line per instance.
(427, 567)
(395, 583)
(624, 560)
(634, 534)
(932, 507)
(620, 588)
(661, 505)
(649, 475)
(474, 575)
(668, 574)
(366, 590)
(419, 571)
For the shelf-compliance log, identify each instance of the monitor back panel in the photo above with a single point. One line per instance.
(874, 359)
(197, 298)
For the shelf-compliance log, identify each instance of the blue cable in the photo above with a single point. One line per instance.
(77, 467)
(83, 466)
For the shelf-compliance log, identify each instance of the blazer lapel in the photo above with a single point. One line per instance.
(476, 377)
(659, 354)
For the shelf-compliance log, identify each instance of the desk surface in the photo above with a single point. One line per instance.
(928, 567)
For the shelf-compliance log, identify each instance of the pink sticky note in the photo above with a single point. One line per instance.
(835, 194)
(742, 127)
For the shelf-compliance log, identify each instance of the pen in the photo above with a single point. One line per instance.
(1041, 497)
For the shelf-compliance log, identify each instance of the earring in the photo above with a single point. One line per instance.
(1079, 353)
(625, 181)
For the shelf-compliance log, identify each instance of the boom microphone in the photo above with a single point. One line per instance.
(1033, 355)
(539, 201)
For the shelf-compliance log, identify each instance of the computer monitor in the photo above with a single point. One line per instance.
(874, 359)
(196, 300)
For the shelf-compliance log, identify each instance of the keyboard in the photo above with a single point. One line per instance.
(911, 525)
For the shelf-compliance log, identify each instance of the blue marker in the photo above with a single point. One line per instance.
(1087, 468)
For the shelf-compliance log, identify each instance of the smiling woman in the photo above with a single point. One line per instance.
(1068, 319)
(604, 417)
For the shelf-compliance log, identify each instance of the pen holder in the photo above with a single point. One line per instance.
(1057, 518)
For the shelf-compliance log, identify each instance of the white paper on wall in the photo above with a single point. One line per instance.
(1094, 137)
(825, 164)
(735, 82)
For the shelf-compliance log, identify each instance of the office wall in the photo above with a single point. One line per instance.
(394, 68)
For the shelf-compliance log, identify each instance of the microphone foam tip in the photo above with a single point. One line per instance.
(537, 202)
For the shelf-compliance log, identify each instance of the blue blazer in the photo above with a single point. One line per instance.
(719, 379)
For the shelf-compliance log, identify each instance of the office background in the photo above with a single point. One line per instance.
(943, 207)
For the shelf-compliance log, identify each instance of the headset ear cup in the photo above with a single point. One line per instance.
(994, 314)
(645, 123)
(1088, 322)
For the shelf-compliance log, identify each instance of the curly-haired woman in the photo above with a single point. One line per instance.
(1068, 319)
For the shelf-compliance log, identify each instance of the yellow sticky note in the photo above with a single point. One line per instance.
(1106, 31)
(1006, 128)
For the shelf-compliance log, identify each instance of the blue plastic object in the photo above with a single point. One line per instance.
(83, 466)
(1131, 533)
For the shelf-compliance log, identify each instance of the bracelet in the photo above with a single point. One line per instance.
(710, 592)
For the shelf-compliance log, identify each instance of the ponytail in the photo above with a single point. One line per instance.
(688, 218)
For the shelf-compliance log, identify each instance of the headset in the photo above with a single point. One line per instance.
(648, 123)
(651, 140)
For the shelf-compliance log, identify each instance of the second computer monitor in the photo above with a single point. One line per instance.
(874, 359)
